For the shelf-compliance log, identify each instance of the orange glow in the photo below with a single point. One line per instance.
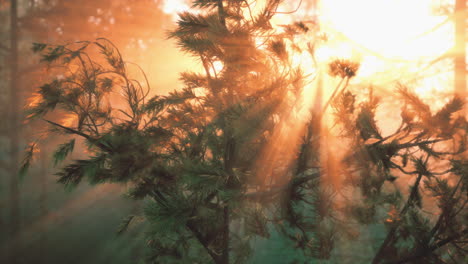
(393, 215)
(217, 67)
(69, 120)
(394, 42)
(175, 6)
(393, 29)
(382, 35)
(34, 100)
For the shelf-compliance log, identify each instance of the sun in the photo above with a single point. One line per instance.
(394, 40)
(397, 29)
(175, 6)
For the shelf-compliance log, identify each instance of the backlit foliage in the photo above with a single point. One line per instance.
(192, 154)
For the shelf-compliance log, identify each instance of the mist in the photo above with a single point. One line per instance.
(232, 105)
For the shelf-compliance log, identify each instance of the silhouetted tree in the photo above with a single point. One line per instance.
(49, 21)
(192, 155)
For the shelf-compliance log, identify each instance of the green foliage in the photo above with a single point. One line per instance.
(53, 53)
(257, 223)
(366, 124)
(125, 224)
(184, 152)
(28, 157)
(63, 150)
(363, 214)
(94, 169)
(421, 138)
(168, 216)
(193, 154)
(38, 47)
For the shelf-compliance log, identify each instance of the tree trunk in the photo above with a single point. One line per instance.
(225, 256)
(460, 47)
(228, 158)
(14, 130)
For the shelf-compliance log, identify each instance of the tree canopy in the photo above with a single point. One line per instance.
(193, 155)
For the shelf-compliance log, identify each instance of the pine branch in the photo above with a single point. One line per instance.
(221, 13)
(426, 251)
(204, 3)
(278, 189)
(391, 236)
(26, 162)
(337, 88)
(125, 224)
(204, 242)
(161, 199)
(416, 144)
(292, 11)
(79, 133)
(62, 152)
(444, 211)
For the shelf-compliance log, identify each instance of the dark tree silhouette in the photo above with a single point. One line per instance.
(192, 155)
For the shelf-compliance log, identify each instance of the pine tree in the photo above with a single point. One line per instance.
(192, 155)
(421, 152)
(54, 21)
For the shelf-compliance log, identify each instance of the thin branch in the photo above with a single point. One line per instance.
(290, 12)
(221, 13)
(409, 145)
(203, 242)
(425, 251)
(436, 227)
(250, 10)
(275, 189)
(337, 88)
(392, 233)
(79, 133)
